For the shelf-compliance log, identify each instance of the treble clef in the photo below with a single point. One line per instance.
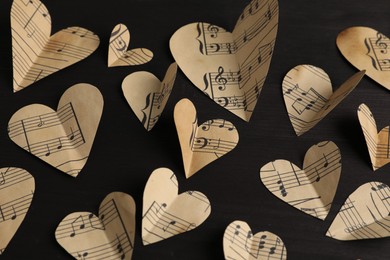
(213, 30)
(381, 43)
(220, 79)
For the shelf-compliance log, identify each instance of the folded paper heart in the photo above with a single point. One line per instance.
(230, 68)
(62, 138)
(36, 54)
(239, 243)
(367, 49)
(166, 213)
(310, 189)
(308, 95)
(118, 55)
(147, 96)
(17, 188)
(365, 214)
(201, 145)
(377, 143)
(107, 236)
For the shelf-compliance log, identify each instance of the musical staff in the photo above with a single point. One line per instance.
(378, 50)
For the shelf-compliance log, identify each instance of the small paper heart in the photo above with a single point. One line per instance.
(166, 213)
(201, 145)
(240, 243)
(310, 189)
(62, 138)
(107, 236)
(147, 95)
(118, 55)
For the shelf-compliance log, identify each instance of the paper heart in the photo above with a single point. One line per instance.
(147, 96)
(201, 145)
(118, 55)
(368, 49)
(377, 143)
(165, 213)
(230, 68)
(240, 243)
(312, 189)
(62, 138)
(109, 236)
(308, 96)
(17, 188)
(36, 54)
(365, 214)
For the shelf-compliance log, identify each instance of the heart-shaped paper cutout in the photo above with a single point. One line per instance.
(62, 138)
(230, 68)
(365, 214)
(118, 55)
(147, 96)
(308, 96)
(378, 144)
(367, 49)
(17, 188)
(165, 213)
(201, 145)
(239, 243)
(36, 54)
(108, 236)
(312, 189)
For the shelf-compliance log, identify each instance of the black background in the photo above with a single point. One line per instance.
(124, 154)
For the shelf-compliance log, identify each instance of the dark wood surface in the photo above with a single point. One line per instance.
(124, 154)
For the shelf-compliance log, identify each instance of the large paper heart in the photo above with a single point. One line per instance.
(118, 55)
(365, 214)
(147, 96)
(17, 188)
(239, 243)
(230, 68)
(308, 96)
(310, 189)
(36, 54)
(201, 145)
(108, 236)
(165, 213)
(62, 138)
(367, 49)
(378, 144)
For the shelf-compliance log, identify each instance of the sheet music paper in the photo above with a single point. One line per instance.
(35, 53)
(308, 95)
(110, 235)
(118, 53)
(311, 189)
(201, 145)
(368, 49)
(239, 243)
(378, 144)
(166, 213)
(17, 189)
(364, 215)
(230, 68)
(62, 138)
(147, 95)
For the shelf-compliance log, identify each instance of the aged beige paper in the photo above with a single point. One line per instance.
(62, 138)
(378, 144)
(147, 95)
(36, 54)
(110, 235)
(308, 95)
(118, 55)
(230, 68)
(166, 213)
(365, 214)
(239, 243)
(17, 188)
(201, 145)
(367, 49)
(310, 189)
